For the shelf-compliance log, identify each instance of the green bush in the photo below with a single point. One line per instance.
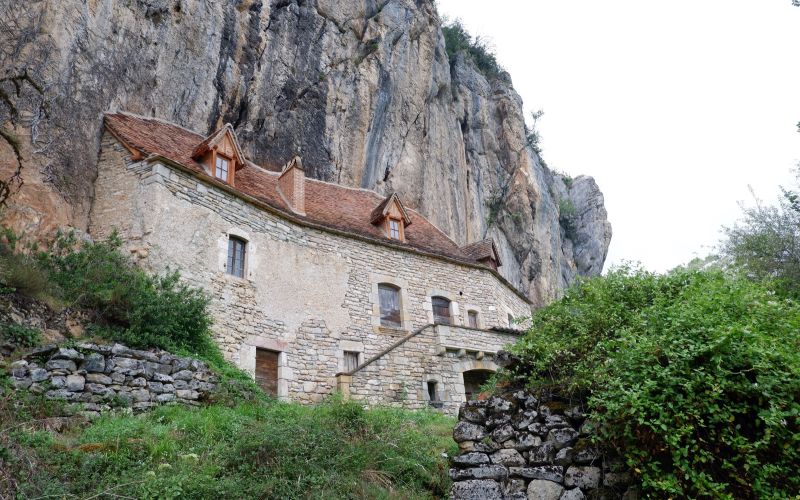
(131, 306)
(19, 335)
(256, 450)
(693, 376)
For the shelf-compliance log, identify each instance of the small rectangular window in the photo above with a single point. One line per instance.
(472, 316)
(394, 229)
(510, 320)
(236, 255)
(350, 360)
(221, 170)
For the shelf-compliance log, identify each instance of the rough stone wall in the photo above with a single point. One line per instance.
(515, 446)
(95, 378)
(362, 90)
(309, 294)
(439, 354)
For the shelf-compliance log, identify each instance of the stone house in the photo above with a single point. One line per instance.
(315, 287)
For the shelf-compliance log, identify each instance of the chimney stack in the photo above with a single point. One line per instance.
(292, 185)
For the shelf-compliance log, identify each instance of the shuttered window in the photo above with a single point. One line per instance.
(350, 360)
(236, 255)
(472, 317)
(441, 310)
(389, 297)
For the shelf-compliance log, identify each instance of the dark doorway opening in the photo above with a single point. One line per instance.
(267, 371)
(473, 380)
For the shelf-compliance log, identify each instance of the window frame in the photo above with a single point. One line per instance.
(231, 260)
(472, 316)
(229, 163)
(386, 322)
(351, 355)
(434, 306)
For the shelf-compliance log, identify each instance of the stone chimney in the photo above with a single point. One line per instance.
(292, 185)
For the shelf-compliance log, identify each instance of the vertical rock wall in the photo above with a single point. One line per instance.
(362, 89)
(516, 447)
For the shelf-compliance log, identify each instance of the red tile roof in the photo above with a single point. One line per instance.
(329, 205)
(481, 250)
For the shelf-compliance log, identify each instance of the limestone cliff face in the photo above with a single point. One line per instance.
(362, 89)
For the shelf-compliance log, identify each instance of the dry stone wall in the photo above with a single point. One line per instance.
(515, 446)
(95, 378)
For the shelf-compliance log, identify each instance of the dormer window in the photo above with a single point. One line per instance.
(221, 168)
(391, 216)
(220, 155)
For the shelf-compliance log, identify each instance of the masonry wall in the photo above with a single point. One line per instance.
(309, 294)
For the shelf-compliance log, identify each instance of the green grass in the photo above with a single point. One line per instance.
(260, 449)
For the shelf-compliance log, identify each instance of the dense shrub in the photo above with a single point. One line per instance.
(765, 243)
(694, 376)
(256, 450)
(19, 335)
(126, 303)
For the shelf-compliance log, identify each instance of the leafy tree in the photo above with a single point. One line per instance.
(765, 244)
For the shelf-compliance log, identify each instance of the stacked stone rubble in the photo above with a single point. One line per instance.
(98, 377)
(516, 447)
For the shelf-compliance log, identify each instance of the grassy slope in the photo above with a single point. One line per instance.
(257, 449)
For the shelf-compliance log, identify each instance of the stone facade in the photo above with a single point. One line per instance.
(514, 446)
(98, 377)
(309, 293)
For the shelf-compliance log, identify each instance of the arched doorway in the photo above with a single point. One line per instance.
(473, 380)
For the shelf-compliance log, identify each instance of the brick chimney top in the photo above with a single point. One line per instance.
(292, 186)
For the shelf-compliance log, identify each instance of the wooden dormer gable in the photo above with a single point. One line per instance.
(220, 154)
(392, 217)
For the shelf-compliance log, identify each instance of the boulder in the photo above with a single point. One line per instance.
(470, 459)
(466, 431)
(548, 472)
(476, 490)
(540, 489)
(584, 477)
(509, 458)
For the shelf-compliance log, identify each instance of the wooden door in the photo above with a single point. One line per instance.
(267, 371)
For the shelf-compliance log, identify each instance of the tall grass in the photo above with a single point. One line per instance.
(253, 450)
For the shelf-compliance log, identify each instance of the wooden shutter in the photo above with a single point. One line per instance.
(267, 371)
(350, 361)
(473, 319)
(441, 310)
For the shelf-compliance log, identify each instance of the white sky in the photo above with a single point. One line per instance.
(673, 107)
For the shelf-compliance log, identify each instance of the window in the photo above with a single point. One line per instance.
(394, 229)
(236, 254)
(472, 317)
(510, 320)
(221, 170)
(441, 310)
(432, 390)
(350, 360)
(389, 298)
